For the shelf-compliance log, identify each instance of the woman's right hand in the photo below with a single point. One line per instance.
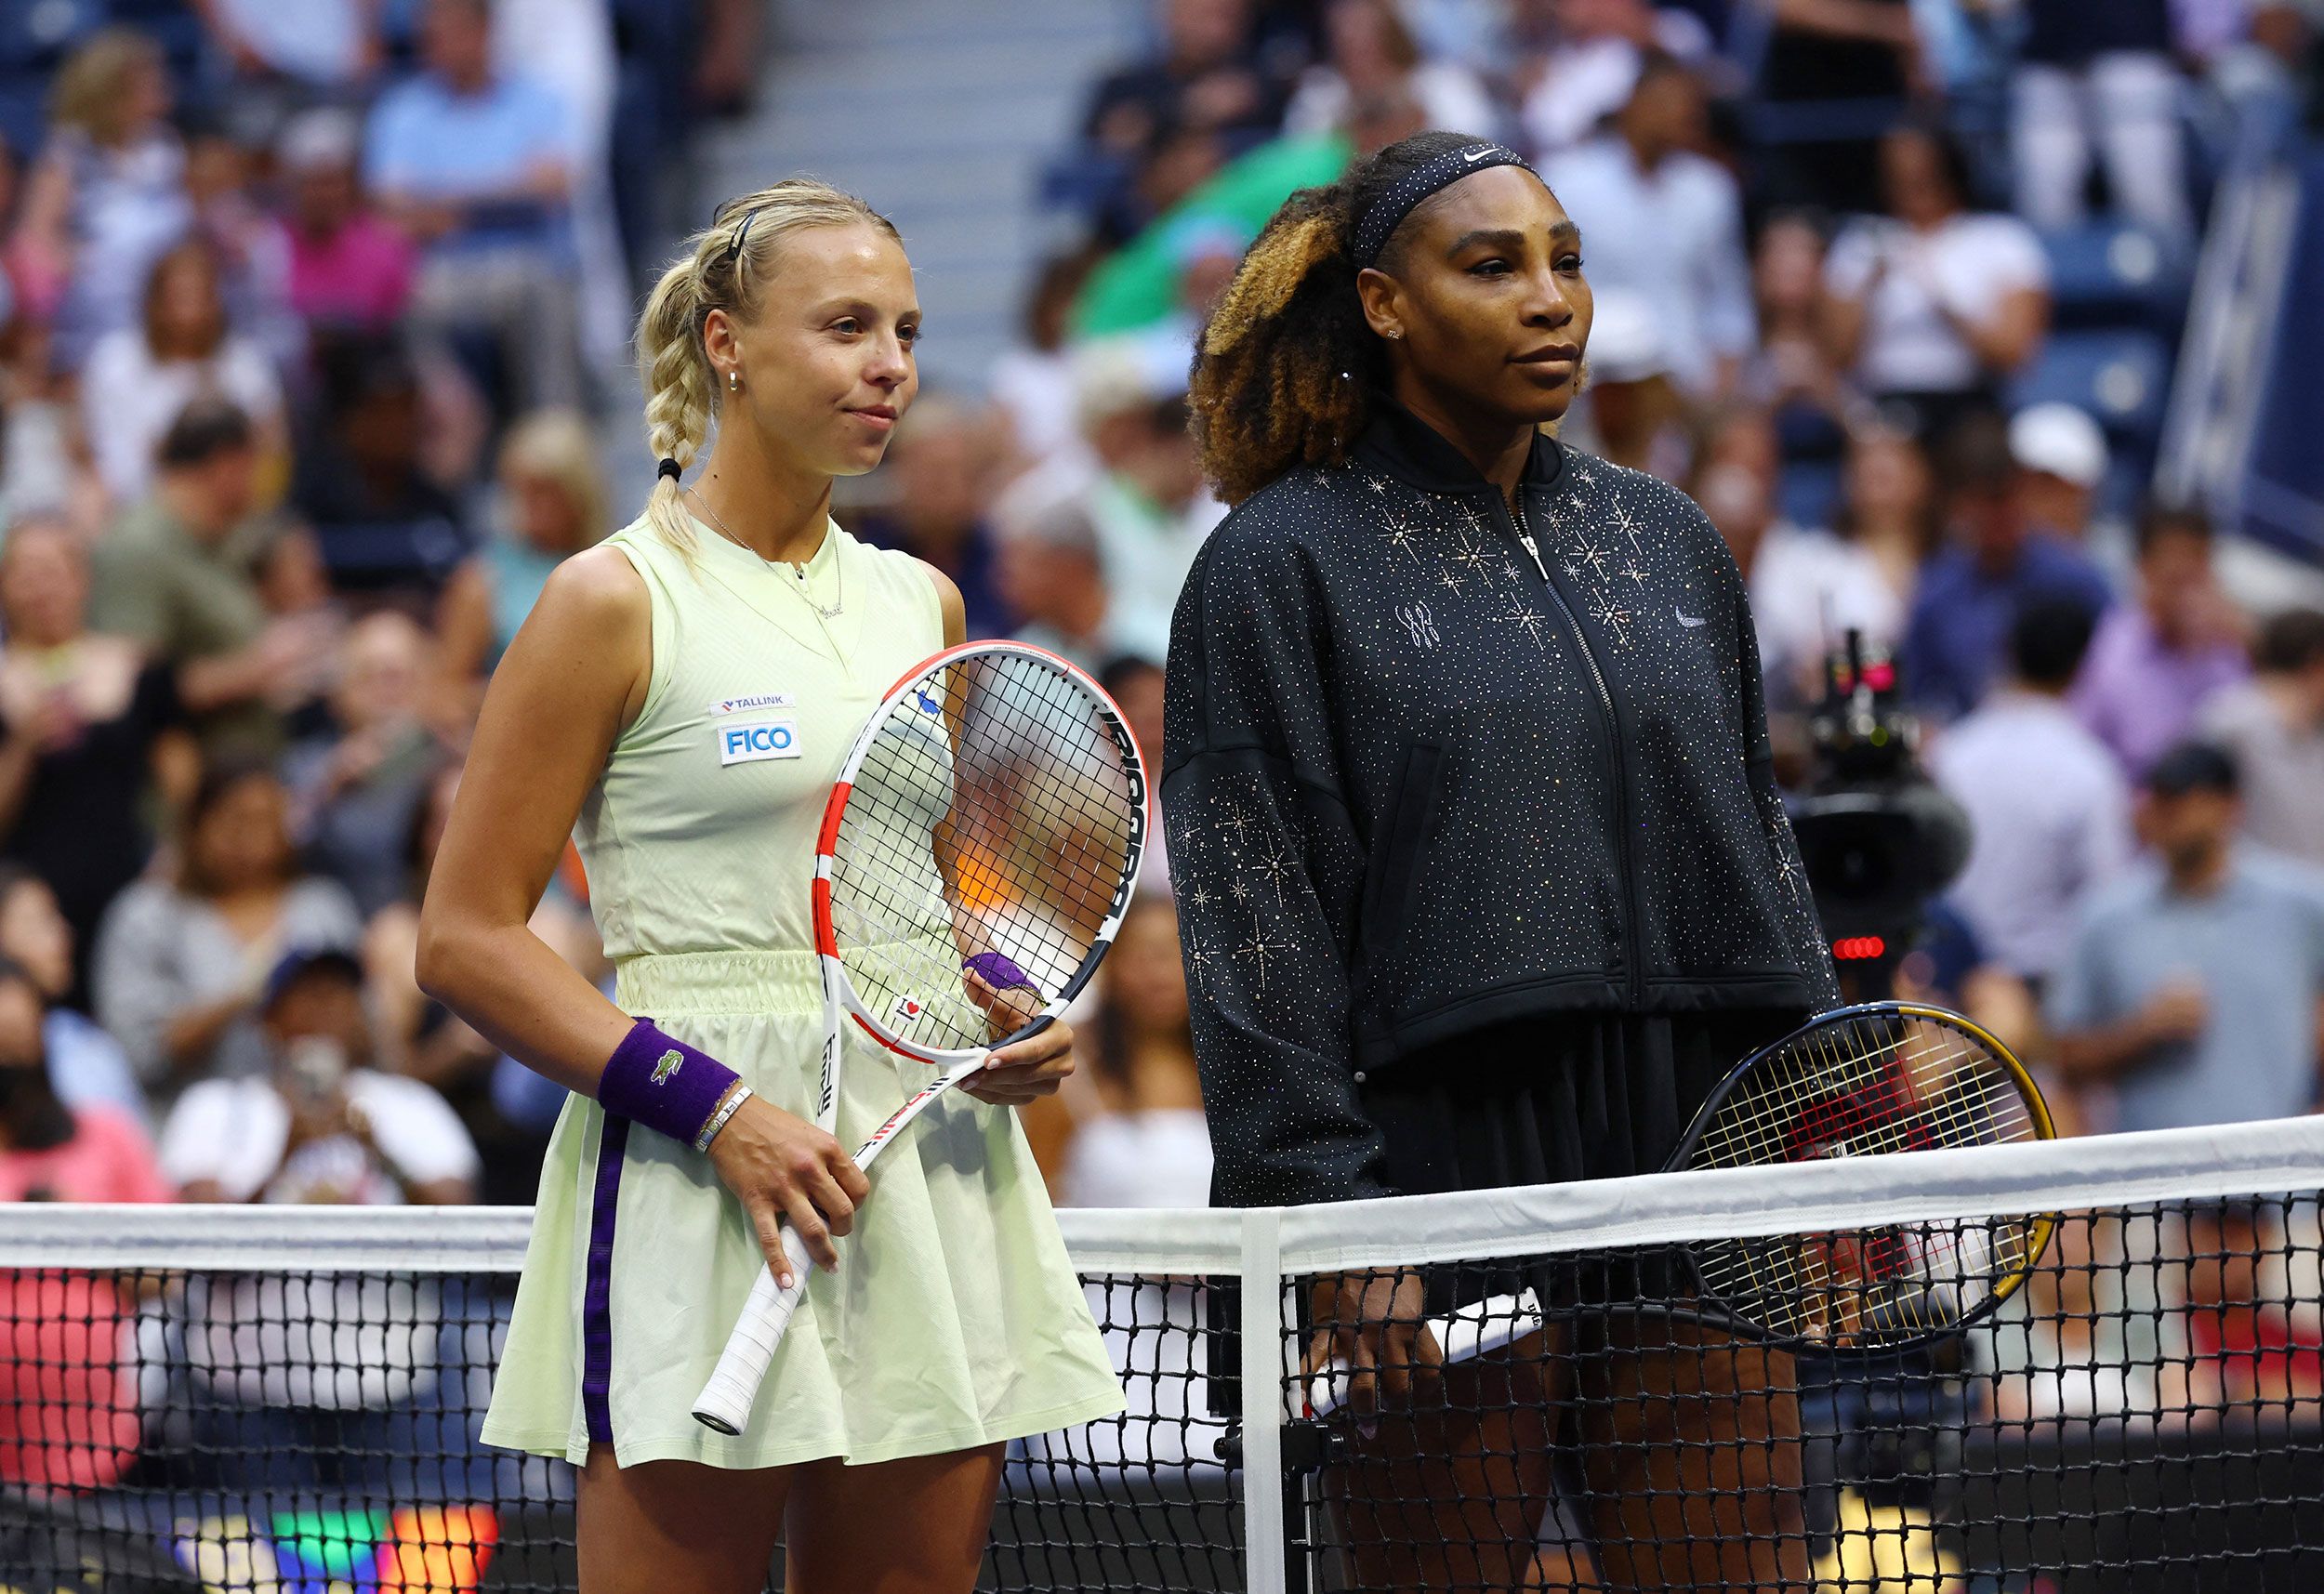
(781, 1166)
(1372, 1327)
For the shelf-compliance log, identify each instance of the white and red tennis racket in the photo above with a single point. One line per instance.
(976, 857)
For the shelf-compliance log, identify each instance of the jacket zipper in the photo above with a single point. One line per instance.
(1632, 974)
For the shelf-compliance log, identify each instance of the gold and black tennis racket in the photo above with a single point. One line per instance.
(1882, 1079)
(1875, 1080)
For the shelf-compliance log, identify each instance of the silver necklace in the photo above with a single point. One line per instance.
(798, 569)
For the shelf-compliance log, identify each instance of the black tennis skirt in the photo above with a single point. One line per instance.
(1553, 1101)
(1550, 1099)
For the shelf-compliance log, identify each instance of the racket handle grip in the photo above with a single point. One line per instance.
(725, 1402)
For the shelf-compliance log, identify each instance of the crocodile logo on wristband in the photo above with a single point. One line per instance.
(670, 1064)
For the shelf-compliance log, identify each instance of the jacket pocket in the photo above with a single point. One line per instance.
(1390, 902)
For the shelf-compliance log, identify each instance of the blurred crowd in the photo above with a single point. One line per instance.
(310, 316)
(306, 320)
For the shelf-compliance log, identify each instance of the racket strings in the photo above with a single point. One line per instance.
(1871, 1084)
(995, 812)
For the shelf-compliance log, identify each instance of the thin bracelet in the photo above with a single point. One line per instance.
(718, 1120)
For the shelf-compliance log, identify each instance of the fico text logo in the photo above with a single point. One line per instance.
(748, 741)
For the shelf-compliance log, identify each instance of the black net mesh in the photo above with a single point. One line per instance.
(2145, 1414)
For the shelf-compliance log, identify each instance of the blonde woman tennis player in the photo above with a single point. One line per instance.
(954, 1322)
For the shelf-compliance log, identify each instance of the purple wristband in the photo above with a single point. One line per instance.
(662, 1083)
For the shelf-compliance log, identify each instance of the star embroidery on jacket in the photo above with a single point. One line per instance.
(1259, 949)
(1450, 580)
(1276, 867)
(1788, 870)
(1199, 896)
(1582, 472)
(1476, 558)
(1635, 573)
(1525, 618)
(1622, 522)
(1239, 889)
(1586, 553)
(1376, 485)
(1401, 534)
(1198, 959)
(1236, 820)
(1612, 618)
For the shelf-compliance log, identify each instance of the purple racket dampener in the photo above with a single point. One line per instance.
(1000, 971)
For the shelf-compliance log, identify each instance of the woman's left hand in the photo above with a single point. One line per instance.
(1032, 1068)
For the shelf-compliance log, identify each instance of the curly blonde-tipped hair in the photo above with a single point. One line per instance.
(725, 266)
(1286, 367)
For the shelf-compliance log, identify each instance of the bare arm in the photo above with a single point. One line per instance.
(18, 760)
(193, 1032)
(2175, 1013)
(1840, 322)
(573, 677)
(954, 606)
(2103, 1051)
(2007, 339)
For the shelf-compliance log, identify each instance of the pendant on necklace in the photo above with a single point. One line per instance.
(833, 612)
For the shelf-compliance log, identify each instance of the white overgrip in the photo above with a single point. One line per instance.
(725, 1402)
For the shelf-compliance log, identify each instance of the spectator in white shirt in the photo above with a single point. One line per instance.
(1932, 305)
(1368, 52)
(140, 379)
(1596, 51)
(2050, 810)
(1808, 589)
(1666, 223)
(321, 1125)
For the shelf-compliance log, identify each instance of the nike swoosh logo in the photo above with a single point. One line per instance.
(1686, 619)
(1474, 156)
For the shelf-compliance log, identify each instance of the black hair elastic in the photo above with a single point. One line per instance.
(670, 467)
(742, 237)
(1380, 221)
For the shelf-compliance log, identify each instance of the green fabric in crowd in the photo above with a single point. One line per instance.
(1137, 285)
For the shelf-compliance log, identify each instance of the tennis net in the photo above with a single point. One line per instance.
(286, 1401)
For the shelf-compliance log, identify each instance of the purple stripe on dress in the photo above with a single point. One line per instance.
(597, 1323)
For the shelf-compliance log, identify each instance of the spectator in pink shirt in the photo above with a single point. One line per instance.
(50, 1151)
(349, 268)
(68, 1377)
(2156, 663)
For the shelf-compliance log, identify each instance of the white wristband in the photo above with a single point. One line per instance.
(716, 1120)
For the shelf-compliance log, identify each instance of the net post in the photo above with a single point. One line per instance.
(1262, 1351)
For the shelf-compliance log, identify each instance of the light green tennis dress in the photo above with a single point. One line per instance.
(954, 1319)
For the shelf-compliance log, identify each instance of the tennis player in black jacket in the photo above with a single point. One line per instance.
(1482, 872)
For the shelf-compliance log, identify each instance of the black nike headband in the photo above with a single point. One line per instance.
(1384, 214)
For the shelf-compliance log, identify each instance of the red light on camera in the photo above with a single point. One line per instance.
(1857, 948)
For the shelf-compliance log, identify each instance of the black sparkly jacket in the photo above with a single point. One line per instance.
(1428, 769)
